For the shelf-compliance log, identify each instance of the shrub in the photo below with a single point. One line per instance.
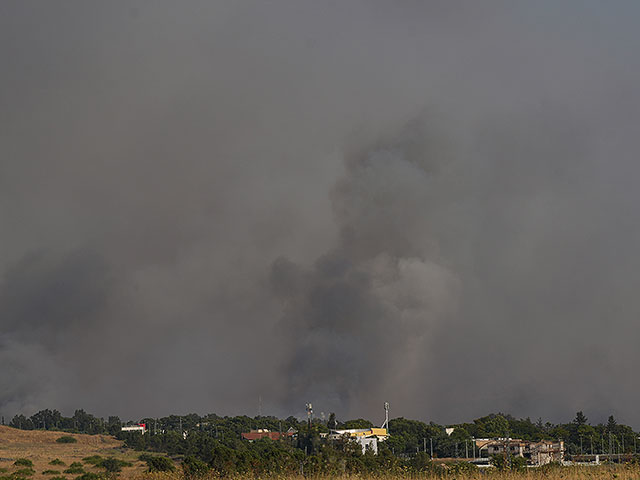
(89, 476)
(193, 467)
(24, 472)
(3, 470)
(23, 462)
(51, 472)
(160, 464)
(93, 460)
(75, 468)
(113, 465)
(61, 477)
(66, 439)
(143, 457)
(56, 461)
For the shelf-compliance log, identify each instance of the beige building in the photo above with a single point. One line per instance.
(536, 453)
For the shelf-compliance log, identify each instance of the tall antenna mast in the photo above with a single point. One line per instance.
(386, 416)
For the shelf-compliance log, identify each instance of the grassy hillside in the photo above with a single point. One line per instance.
(40, 447)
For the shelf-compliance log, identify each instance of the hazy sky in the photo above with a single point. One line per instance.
(431, 203)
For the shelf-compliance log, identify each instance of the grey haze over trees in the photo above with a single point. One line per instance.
(427, 203)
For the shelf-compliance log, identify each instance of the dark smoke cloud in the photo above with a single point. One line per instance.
(427, 203)
(358, 319)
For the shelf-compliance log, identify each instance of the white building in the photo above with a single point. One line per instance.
(368, 438)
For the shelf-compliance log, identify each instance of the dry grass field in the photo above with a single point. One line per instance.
(41, 448)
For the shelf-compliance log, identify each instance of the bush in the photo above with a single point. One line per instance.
(24, 472)
(56, 461)
(23, 462)
(93, 460)
(515, 463)
(51, 472)
(66, 439)
(113, 465)
(89, 476)
(59, 478)
(75, 468)
(3, 470)
(160, 464)
(193, 467)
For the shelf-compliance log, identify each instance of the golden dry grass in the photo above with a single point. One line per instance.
(603, 472)
(41, 447)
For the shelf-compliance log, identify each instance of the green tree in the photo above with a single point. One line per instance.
(612, 425)
(332, 422)
(580, 419)
(160, 464)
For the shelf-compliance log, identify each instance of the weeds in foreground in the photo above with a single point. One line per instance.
(603, 472)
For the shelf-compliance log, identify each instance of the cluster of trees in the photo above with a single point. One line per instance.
(214, 442)
(579, 436)
(80, 422)
(306, 454)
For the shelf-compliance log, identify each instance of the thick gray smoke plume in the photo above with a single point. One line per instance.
(359, 319)
(427, 203)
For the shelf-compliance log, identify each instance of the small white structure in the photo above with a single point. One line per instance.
(138, 427)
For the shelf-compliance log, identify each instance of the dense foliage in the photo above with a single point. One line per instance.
(212, 442)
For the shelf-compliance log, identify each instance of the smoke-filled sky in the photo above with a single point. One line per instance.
(431, 203)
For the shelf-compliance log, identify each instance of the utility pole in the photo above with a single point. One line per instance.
(622, 448)
(309, 408)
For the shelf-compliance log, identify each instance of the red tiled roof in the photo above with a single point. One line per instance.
(269, 435)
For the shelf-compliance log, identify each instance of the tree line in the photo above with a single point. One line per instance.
(213, 441)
